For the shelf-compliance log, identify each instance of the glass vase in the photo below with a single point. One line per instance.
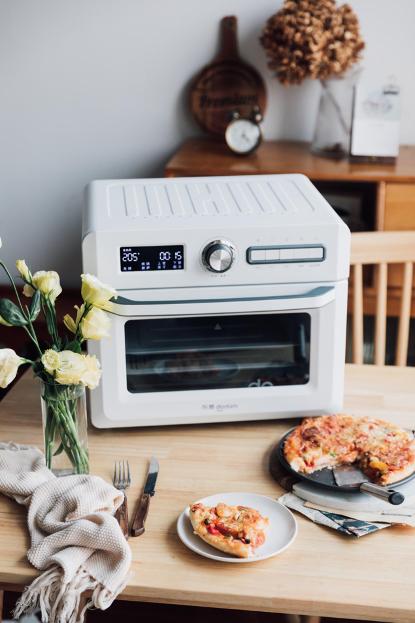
(65, 428)
(334, 118)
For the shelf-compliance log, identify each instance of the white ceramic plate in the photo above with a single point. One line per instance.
(281, 531)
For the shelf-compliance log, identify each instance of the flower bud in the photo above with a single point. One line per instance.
(23, 269)
(69, 323)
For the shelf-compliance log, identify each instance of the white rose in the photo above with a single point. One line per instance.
(95, 325)
(50, 360)
(72, 367)
(96, 293)
(93, 372)
(9, 364)
(47, 281)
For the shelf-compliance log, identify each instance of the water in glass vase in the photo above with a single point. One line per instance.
(65, 428)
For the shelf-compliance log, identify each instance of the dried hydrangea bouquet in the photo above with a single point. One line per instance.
(319, 40)
(63, 369)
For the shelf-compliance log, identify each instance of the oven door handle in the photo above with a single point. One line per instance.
(315, 298)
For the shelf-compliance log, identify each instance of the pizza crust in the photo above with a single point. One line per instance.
(233, 547)
(397, 476)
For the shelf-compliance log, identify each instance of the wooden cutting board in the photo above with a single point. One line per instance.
(225, 85)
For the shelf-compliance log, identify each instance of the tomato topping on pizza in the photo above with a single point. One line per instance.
(236, 530)
(385, 452)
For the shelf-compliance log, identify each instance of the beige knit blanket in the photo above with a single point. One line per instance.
(75, 540)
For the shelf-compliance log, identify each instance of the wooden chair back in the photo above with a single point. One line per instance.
(381, 249)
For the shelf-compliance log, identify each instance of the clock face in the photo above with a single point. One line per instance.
(243, 136)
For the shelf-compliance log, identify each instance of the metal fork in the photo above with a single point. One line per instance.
(122, 480)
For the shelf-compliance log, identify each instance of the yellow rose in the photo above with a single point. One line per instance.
(9, 364)
(50, 360)
(28, 290)
(97, 293)
(47, 281)
(23, 269)
(4, 322)
(71, 369)
(92, 374)
(95, 325)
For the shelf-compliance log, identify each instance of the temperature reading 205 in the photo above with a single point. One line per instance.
(169, 257)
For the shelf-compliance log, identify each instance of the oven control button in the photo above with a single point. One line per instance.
(218, 256)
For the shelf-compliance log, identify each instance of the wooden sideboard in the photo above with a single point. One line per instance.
(392, 186)
(394, 183)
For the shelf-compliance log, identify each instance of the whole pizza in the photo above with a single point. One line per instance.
(383, 451)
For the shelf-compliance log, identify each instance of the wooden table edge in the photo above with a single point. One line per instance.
(256, 604)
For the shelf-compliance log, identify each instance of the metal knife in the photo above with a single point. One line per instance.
(352, 476)
(137, 527)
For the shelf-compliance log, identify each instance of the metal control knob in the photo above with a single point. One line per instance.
(218, 256)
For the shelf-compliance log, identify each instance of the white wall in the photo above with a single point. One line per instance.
(96, 89)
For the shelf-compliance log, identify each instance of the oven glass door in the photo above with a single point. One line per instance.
(217, 352)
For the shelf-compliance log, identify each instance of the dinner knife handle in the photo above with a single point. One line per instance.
(140, 516)
(388, 495)
(121, 515)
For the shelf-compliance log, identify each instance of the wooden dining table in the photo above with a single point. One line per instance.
(322, 573)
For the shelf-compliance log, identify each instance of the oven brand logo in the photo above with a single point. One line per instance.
(261, 383)
(219, 407)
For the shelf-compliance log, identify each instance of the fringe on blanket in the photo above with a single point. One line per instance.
(61, 603)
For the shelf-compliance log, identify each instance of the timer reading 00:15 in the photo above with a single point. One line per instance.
(152, 258)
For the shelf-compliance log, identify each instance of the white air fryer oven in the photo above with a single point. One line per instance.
(232, 297)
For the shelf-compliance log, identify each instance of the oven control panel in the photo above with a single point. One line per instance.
(212, 231)
(285, 254)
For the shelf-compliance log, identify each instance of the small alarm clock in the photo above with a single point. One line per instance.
(243, 136)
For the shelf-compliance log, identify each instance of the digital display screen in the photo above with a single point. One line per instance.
(169, 257)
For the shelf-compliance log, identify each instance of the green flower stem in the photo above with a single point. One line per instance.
(61, 429)
(78, 334)
(50, 427)
(32, 334)
(6, 270)
(70, 431)
(30, 331)
(51, 311)
(70, 440)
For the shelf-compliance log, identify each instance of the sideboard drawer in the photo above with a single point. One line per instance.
(399, 207)
(399, 215)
